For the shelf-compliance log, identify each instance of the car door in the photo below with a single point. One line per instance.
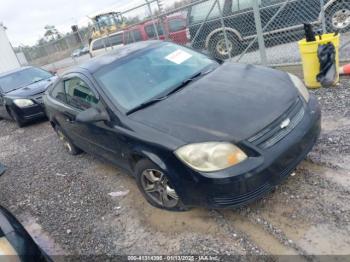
(98, 138)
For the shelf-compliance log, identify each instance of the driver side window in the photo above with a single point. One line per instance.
(78, 94)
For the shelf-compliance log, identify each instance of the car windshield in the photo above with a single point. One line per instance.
(151, 74)
(22, 78)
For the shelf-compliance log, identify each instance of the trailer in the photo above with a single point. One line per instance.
(8, 58)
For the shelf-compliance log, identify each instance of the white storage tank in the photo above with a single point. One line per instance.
(8, 58)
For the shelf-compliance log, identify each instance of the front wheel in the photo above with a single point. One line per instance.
(338, 17)
(20, 123)
(222, 50)
(156, 188)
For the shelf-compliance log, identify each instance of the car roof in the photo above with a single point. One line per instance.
(14, 71)
(96, 63)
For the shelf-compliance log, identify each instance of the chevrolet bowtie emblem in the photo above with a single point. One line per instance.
(285, 123)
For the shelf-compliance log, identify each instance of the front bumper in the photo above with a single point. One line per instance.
(258, 175)
(30, 113)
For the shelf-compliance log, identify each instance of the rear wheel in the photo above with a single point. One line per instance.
(338, 17)
(156, 188)
(219, 49)
(68, 145)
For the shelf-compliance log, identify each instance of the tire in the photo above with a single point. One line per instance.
(150, 175)
(217, 46)
(338, 17)
(67, 143)
(20, 123)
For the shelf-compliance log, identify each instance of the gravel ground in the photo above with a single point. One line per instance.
(63, 200)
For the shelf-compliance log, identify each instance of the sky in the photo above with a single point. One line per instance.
(25, 19)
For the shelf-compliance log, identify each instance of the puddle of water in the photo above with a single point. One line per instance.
(329, 124)
(280, 215)
(340, 176)
(313, 239)
(322, 240)
(195, 220)
(257, 234)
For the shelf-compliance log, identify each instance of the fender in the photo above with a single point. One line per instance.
(144, 153)
(234, 31)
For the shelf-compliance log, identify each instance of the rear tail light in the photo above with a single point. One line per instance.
(188, 34)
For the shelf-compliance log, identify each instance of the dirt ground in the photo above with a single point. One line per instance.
(64, 201)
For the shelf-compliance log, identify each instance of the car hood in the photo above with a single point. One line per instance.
(32, 89)
(232, 103)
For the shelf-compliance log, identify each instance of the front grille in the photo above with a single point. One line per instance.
(274, 132)
(237, 200)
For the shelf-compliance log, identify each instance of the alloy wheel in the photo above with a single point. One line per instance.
(156, 186)
(222, 49)
(341, 19)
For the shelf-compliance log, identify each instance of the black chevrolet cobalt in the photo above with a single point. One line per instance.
(21, 92)
(191, 130)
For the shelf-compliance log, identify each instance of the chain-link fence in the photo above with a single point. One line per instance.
(248, 31)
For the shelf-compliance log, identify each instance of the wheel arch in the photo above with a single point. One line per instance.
(327, 7)
(8, 110)
(219, 30)
(143, 154)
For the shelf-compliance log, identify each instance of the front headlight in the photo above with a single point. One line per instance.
(211, 156)
(300, 86)
(23, 102)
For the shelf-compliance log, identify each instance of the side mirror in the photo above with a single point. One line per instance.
(92, 115)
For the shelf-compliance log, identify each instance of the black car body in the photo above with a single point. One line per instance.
(259, 110)
(15, 242)
(286, 26)
(21, 93)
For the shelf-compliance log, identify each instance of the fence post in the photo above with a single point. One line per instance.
(323, 17)
(151, 14)
(224, 29)
(162, 19)
(202, 24)
(259, 32)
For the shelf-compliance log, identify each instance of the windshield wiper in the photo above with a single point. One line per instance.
(174, 90)
(146, 104)
(188, 80)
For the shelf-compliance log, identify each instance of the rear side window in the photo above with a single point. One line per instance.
(78, 94)
(151, 33)
(58, 92)
(116, 39)
(177, 25)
